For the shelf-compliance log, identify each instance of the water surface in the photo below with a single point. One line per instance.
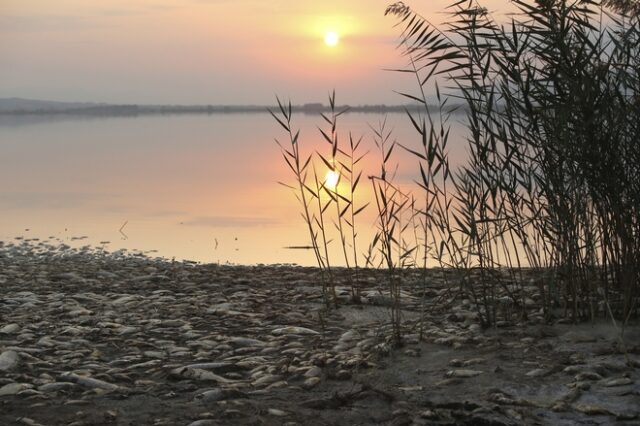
(198, 187)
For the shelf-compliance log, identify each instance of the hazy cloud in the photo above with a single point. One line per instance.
(261, 5)
(231, 222)
(40, 23)
(213, 1)
(120, 12)
(44, 200)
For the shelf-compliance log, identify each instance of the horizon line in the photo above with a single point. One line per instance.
(33, 106)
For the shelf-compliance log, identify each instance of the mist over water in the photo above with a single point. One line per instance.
(198, 187)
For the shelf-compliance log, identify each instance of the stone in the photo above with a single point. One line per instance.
(622, 381)
(199, 375)
(343, 375)
(10, 329)
(88, 382)
(8, 360)
(592, 410)
(313, 372)
(220, 367)
(14, 388)
(245, 342)
(128, 330)
(204, 422)
(56, 387)
(294, 330)
(429, 414)
(311, 382)
(28, 422)
(449, 381)
(266, 380)
(463, 373)
(587, 375)
(538, 372)
(219, 394)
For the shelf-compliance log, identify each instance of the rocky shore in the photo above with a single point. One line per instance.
(92, 338)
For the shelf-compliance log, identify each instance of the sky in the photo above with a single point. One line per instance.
(202, 51)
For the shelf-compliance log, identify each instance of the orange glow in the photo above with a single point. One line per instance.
(138, 51)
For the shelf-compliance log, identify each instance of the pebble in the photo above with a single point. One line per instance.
(587, 375)
(311, 382)
(28, 421)
(199, 374)
(88, 382)
(622, 381)
(205, 422)
(343, 375)
(463, 373)
(538, 372)
(266, 380)
(219, 394)
(293, 330)
(313, 372)
(8, 360)
(464, 363)
(245, 342)
(14, 388)
(10, 329)
(591, 409)
(56, 387)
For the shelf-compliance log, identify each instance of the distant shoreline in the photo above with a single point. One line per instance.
(134, 110)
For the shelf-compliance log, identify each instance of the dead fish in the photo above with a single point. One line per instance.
(463, 373)
(88, 382)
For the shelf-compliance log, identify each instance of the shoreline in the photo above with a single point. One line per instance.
(126, 110)
(89, 338)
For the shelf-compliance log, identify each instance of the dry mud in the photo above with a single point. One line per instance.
(91, 338)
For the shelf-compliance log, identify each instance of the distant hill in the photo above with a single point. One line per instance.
(19, 106)
(33, 105)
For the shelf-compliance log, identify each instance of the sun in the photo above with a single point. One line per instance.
(331, 38)
(331, 180)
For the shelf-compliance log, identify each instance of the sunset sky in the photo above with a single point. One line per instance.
(202, 51)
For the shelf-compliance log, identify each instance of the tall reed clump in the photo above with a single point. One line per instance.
(345, 166)
(326, 201)
(394, 217)
(299, 166)
(553, 178)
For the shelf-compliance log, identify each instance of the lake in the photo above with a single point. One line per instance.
(196, 187)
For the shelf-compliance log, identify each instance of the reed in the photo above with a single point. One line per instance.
(391, 204)
(551, 185)
(299, 165)
(552, 178)
(325, 203)
(343, 164)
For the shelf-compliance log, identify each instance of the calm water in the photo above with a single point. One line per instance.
(186, 186)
